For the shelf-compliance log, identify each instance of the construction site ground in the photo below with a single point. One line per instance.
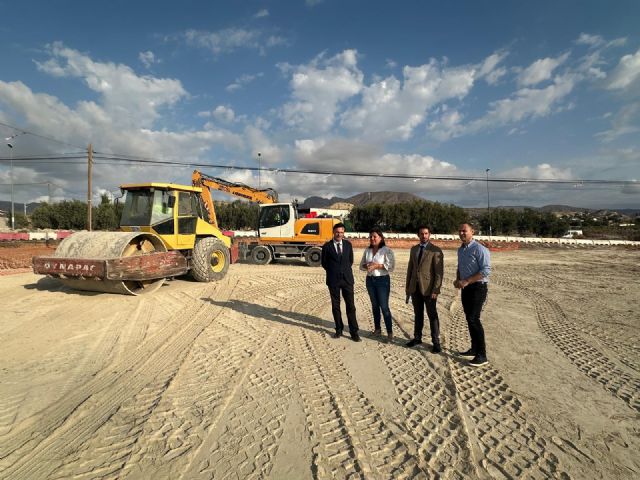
(242, 379)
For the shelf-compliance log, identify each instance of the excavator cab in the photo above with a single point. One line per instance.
(277, 220)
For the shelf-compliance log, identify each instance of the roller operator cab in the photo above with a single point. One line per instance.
(180, 217)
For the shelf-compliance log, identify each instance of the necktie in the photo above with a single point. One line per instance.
(421, 252)
(339, 249)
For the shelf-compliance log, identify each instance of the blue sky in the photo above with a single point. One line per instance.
(533, 90)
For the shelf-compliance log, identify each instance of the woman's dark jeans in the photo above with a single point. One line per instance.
(379, 289)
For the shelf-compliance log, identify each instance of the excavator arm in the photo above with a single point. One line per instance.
(199, 179)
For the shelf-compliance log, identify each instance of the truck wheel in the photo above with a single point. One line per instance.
(210, 260)
(261, 255)
(313, 256)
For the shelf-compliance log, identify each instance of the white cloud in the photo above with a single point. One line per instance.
(391, 109)
(242, 81)
(542, 171)
(624, 122)
(597, 41)
(147, 58)
(591, 40)
(224, 114)
(262, 13)
(627, 72)
(229, 40)
(541, 70)
(523, 104)
(529, 102)
(313, 3)
(120, 120)
(318, 88)
(489, 69)
(133, 97)
(259, 142)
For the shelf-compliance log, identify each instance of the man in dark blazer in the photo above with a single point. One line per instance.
(337, 259)
(424, 279)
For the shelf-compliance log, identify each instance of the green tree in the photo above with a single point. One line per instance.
(21, 221)
(104, 216)
(408, 216)
(42, 216)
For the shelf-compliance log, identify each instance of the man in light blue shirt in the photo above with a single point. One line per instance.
(474, 267)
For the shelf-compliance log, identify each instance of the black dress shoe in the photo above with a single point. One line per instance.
(337, 335)
(478, 361)
(436, 349)
(413, 342)
(356, 338)
(468, 353)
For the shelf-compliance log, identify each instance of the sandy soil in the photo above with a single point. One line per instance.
(241, 379)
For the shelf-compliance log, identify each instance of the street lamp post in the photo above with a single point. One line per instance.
(259, 168)
(488, 201)
(13, 221)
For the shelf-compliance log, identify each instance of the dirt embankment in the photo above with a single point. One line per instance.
(17, 255)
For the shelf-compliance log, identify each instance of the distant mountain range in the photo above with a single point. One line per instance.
(5, 206)
(361, 199)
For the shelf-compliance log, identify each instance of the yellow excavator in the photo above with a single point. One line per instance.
(168, 230)
(282, 232)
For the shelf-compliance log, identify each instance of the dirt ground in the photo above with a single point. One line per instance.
(241, 379)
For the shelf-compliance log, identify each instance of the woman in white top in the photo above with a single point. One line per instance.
(378, 261)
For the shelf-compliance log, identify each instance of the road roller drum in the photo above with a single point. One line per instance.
(131, 263)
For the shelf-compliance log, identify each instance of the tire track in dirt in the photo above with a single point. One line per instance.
(66, 426)
(626, 347)
(431, 447)
(9, 408)
(195, 401)
(589, 360)
(199, 403)
(432, 417)
(245, 439)
(350, 439)
(80, 368)
(510, 446)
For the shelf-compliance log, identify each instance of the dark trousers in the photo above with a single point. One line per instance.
(347, 294)
(473, 298)
(378, 289)
(421, 302)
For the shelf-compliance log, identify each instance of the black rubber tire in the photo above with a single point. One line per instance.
(210, 261)
(261, 255)
(313, 257)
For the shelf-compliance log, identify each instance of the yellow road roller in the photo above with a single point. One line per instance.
(167, 230)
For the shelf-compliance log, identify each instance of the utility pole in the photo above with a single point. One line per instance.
(49, 190)
(13, 218)
(89, 164)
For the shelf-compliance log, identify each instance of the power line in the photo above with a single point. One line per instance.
(376, 175)
(117, 159)
(44, 137)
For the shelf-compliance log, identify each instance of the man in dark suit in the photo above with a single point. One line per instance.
(424, 279)
(337, 259)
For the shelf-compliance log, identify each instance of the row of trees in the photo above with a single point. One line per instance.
(400, 217)
(72, 215)
(408, 216)
(506, 221)
(237, 215)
